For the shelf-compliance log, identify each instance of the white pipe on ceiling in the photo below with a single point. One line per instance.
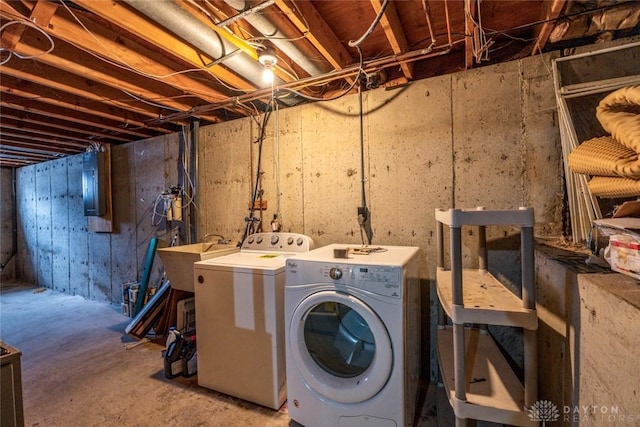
(182, 23)
(275, 36)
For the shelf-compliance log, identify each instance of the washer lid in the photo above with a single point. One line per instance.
(340, 347)
(247, 260)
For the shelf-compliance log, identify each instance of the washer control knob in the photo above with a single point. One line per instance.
(300, 241)
(290, 241)
(259, 240)
(335, 273)
(250, 240)
(274, 239)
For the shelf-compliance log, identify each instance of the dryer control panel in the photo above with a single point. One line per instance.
(380, 280)
(278, 242)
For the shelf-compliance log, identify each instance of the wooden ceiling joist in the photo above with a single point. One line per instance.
(117, 12)
(317, 31)
(20, 127)
(30, 154)
(392, 27)
(50, 148)
(41, 15)
(29, 91)
(75, 72)
(70, 116)
(152, 93)
(109, 45)
(43, 122)
(92, 91)
(470, 16)
(553, 10)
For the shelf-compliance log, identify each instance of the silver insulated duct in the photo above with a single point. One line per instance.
(262, 24)
(180, 22)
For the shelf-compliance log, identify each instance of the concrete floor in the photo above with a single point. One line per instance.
(79, 368)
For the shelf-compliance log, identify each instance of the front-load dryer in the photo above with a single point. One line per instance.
(240, 318)
(353, 336)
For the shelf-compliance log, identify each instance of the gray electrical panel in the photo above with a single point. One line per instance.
(93, 184)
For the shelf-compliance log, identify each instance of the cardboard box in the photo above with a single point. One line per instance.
(624, 252)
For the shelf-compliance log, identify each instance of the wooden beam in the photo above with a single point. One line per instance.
(392, 27)
(27, 85)
(309, 22)
(29, 122)
(71, 60)
(41, 15)
(30, 145)
(552, 12)
(71, 116)
(133, 56)
(30, 154)
(470, 30)
(71, 79)
(34, 138)
(122, 16)
(19, 127)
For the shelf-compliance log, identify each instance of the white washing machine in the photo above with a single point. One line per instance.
(239, 302)
(353, 336)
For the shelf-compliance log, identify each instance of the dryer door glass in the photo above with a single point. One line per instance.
(340, 347)
(339, 340)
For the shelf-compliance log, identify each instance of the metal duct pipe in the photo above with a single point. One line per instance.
(263, 25)
(180, 22)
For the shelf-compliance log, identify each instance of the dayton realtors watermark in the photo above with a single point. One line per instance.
(599, 414)
(546, 411)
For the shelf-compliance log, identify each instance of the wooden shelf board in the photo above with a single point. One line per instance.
(498, 396)
(485, 300)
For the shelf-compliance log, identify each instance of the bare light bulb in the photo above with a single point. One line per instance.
(267, 75)
(268, 59)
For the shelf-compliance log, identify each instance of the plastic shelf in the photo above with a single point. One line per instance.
(485, 300)
(457, 217)
(493, 392)
(480, 382)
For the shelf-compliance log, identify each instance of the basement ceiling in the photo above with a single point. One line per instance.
(85, 72)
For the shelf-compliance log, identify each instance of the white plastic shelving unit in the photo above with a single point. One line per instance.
(479, 381)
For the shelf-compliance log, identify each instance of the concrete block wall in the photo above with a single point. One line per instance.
(7, 219)
(486, 137)
(55, 248)
(454, 141)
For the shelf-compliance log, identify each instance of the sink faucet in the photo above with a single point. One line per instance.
(221, 240)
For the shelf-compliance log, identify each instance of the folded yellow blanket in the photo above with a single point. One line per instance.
(604, 156)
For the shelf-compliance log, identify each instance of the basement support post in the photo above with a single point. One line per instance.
(191, 224)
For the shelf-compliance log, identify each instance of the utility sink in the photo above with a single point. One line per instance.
(178, 261)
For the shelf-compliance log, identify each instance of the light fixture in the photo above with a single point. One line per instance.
(267, 57)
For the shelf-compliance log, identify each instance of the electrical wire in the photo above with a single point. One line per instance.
(190, 195)
(427, 14)
(358, 42)
(481, 44)
(126, 66)
(276, 160)
(30, 25)
(347, 91)
(251, 220)
(144, 101)
(163, 215)
(363, 217)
